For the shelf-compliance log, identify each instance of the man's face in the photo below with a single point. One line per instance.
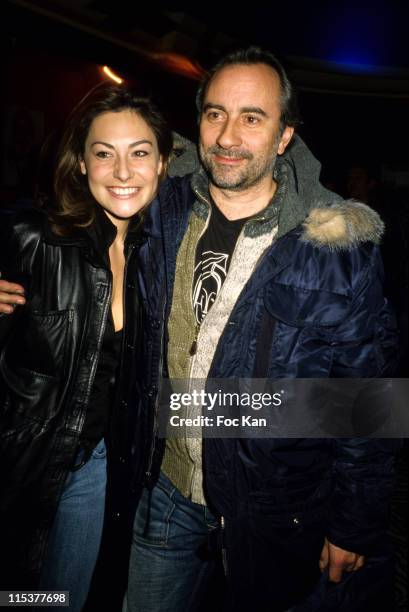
(240, 126)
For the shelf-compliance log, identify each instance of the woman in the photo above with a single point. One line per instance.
(67, 364)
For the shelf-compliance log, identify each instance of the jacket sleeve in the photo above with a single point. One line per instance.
(363, 468)
(19, 239)
(365, 345)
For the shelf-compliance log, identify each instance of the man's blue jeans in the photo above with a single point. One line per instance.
(76, 533)
(167, 571)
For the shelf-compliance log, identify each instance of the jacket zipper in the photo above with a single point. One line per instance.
(100, 336)
(148, 472)
(224, 548)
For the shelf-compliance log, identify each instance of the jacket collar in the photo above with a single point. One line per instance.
(96, 238)
(260, 224)
(297, 175)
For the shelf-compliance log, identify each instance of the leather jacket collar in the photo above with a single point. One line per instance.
(97, 238)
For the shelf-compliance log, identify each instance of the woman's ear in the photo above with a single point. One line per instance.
(83, 167)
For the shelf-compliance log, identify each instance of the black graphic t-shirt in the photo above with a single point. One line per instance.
(213, 255)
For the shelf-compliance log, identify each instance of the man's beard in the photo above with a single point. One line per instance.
(236, 178)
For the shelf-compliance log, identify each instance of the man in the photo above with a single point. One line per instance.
(250, 268)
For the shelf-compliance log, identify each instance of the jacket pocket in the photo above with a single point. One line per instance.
(303, 492)
(34, 368)
(24, 457)
(38, 343)
(299, 307)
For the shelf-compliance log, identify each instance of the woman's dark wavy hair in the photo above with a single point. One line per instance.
(249, 57)
(75, 204)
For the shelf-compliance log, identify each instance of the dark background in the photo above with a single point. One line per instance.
(349, 61)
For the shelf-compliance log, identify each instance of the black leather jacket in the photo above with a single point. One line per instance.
(49, 357)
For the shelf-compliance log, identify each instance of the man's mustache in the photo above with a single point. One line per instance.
(236, 154)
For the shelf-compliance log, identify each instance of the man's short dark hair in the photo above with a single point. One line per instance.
(250, 56)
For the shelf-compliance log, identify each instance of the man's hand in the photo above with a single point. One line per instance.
(338, 561)
(11, 294)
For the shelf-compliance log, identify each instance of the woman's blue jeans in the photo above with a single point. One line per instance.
(76, 533)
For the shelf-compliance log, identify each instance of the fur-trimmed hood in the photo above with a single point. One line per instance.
(342, 226)
(327, 220)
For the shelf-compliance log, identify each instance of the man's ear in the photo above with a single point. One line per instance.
(285, 139)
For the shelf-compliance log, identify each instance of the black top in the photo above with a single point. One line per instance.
(103, 388)
(213, 256)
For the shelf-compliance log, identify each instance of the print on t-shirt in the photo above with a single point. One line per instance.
(209, 275)
(213, 256)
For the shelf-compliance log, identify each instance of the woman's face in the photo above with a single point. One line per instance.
(122, 163)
